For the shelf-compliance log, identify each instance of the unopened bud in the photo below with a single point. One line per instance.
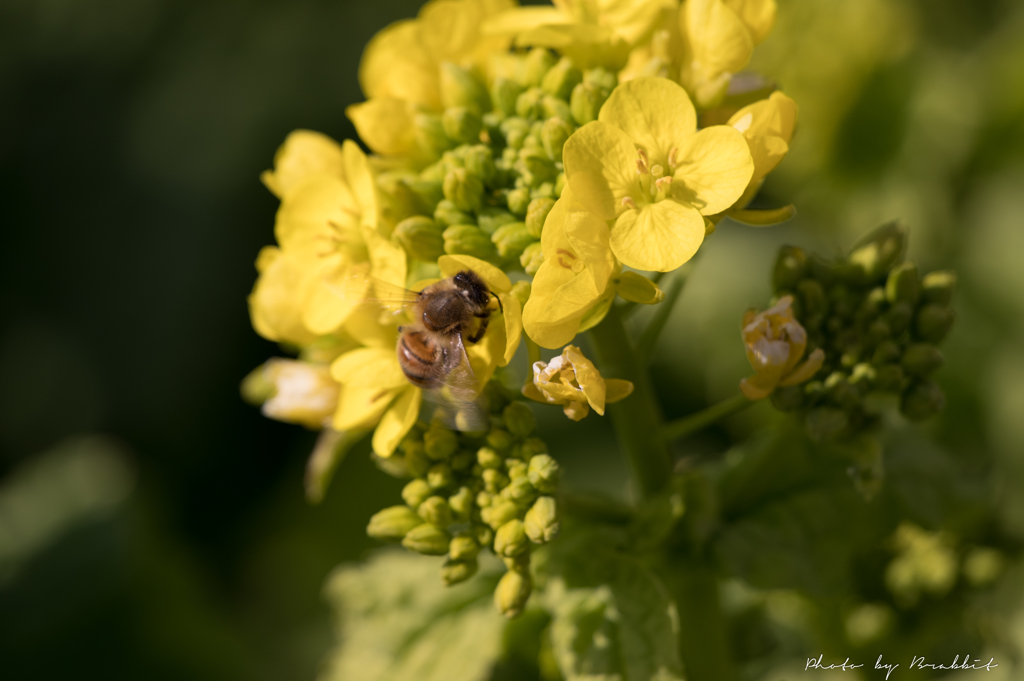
(536, 65)
(499, 439)
(491, 218)
(447, 214)
(517, 469)
(464, 459)
(840, 391)
(922, 400)
(459, 87)
(536, 213)
(933, 322)
(494, 480)
(461, 504)
(528, 105)
(511, 240)
(464, 189)
(258, 387)
(512, 592)
(488, 458)
(541, 522)
(602, 78)
(440, 476)
(504, 94)
(879, 331)
(416, 460)
(426, 191)
(519, 419)
(899, 317)
(586, 102)
(463, 547)
(790, 268)
(515, 130)
(430, 135)
(937, 287)
(559, 185)
(455, 571)
(510, 539)
(562, 78)
(416, 492)
(520, 491)
(532, 258)
(825, 423)
(468, 240)
(435, 510)
(484, 499)
(392, 524)
(552, 107)
(499, 513)
(462, 125)
(479, 160)
(921, 359)
(544, 472)
(427, 539)
(637, 288)
(521, 292)
(535, 167)
(878, 252)
(812, 297)
(420, 237)
(889, 378)
(554, 135)
(887, 351)
(903, 284)
(519, 201)
(440, 443)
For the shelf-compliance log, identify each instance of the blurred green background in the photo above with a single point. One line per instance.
(153, 526)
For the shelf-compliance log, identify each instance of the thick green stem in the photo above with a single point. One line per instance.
(688, 425)
(637, 419)
(703, 637)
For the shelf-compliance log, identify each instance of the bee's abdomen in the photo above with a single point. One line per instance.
(420, 358)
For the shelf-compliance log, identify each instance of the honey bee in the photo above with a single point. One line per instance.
(446, 316)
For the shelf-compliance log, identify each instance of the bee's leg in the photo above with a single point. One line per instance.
(480, 332)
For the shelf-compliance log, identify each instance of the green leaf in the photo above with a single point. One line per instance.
(397, 621)
(612, 620)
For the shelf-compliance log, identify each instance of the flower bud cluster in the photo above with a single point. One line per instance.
(879, 323)
(495, 161)
(472, 491)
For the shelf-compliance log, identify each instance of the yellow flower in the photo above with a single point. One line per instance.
(767, 126)
(590, 32)
(327, 230)
(775, 343)
(303, 392)
(400, 70)
(572, 380)
(645, 165)
(718, 39)
(573, 278)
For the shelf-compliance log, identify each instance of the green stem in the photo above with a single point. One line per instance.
(688, 425)
(703, 638)
(636, 419)
(649, 337)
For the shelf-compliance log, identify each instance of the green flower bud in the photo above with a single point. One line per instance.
(511, 240)
(536, 65)
(862, 376)
(468, 240)
(440, 443)
(520, 491)
(484, 499)
(521, 291)
(462, 125)
(416, 460)
(874, 255)
(459, 87)
(519, 201)
(536, 213)
(586, 102)
(825, 423)
(519, 419)
(790, 268)
(535, 167)
(886, 352)
(921, 359)
(488, 458)
(463, 460)
(504, 93)
(541, 522)
(499, 439)
(512, 592)
(440, 476)
(427, 192)
(872, 305)
(461, 504)
(416, 492)
(492, 128)
(427, 539)
(420, 237)
(552, 107)
(933, 322)
(559, 185)
(510, 539)
(517, 469)
(479, 160)
(490, 219)
(788, 398)
(499, 513)
(393, 523)
(515, 130)
(937, 287)
(448, 214)
(455, 571)
(494, 480)
(903, 284)
(561, 79)
(889, 378)
(812, 297)
(602, 78)
(922, 400)
(879, 331)
(840, 391)
(544, 472)
(528, 105)
(532, 447)
(484, 535)
(436, 510)
(430, 134)
(899, 317)
(463, 547)
(556, 131)
(532, 258)
(464, 189)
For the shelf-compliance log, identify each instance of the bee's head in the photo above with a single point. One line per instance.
(472, 286)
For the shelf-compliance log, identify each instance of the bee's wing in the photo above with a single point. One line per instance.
(458, 403)
(361, 287)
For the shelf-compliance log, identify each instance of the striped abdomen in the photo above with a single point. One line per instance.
(420, 359)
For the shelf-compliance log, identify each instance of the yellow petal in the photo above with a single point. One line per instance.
(715, 167)
(397, 421)
(616, 389)
(576, 411)
(597, 313)
(719, 40)
(326, 309)
(385, 124)
(805, 371)
(513, 317)
(372, 367)
(387, 259)
(588, 377)
(396, 64)
(304, 153)
(600, 167)
(658, 237)
(320, 209)
(495, 279)
(589, 239)
(522, 19)
(361, 406)
(757, 15)
(655, 113)
(277, 299)
(758, 386)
